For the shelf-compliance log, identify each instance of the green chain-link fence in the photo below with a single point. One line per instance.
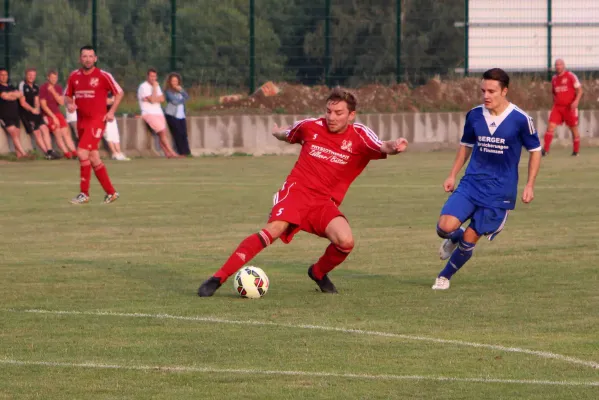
(237, 45)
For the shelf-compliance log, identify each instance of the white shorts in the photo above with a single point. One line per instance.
(111, 133)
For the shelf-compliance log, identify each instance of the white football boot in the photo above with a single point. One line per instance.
(441, 283)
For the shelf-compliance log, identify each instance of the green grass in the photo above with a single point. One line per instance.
(534, 287)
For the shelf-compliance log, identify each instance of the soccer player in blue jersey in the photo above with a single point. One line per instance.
(494, 134)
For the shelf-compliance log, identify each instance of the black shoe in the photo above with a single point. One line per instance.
(209, 286)
(544, 153)
(574, 154)
(325, 284)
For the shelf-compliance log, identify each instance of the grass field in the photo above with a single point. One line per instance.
(99, 301)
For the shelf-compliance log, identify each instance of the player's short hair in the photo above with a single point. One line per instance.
(499, 75)
(150, 70)
(87, 47)
(30, 69)
(52, 72)
(3, 69)
(340, 94)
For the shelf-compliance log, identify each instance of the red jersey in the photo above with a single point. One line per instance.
(564, 88)
(90, 91)
(328, 158)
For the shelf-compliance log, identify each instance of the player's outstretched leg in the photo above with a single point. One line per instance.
(548, 138)
(458, 258)
(102, 175)
(339, 233)
(246, 251)
(575, 141)
(85, 176)
(450, 242)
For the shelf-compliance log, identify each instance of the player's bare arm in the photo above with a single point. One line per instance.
(280, 133)
(59, 99)
(71, 106)
(534, 163)
(392, 147)
(47, 111)
(117, 100)
(25, 105)
(36, 109)
(460, 159)
(576, 101)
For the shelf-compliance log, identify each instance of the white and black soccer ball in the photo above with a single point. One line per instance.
(250, 282)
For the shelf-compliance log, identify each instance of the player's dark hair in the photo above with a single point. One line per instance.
(3, 69)
(52, 72)
(499, 75)
(151, 70)
(87, 47)
(340, 94)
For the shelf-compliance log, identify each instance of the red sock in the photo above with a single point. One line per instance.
(332, 257)
(577, 145)
(86, 174)
(102, 175)
(247, 249)
(548, 139)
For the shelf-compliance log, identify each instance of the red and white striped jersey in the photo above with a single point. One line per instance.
(91, 91)
(329, 162)
(564, 88)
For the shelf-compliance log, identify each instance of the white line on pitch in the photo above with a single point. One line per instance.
(179, 368)
(537, 353)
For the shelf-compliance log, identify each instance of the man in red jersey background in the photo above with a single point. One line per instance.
(566, 96)
(91, 85)
(334, 152)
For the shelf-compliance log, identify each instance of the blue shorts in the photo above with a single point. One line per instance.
(484, 220)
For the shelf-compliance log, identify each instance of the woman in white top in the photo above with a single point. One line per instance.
(176, 97)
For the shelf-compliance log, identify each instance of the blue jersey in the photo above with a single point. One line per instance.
(491, 179)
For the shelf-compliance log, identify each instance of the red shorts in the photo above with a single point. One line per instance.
(90, 134)
(303, 211)
(561, 114)
(62, 123)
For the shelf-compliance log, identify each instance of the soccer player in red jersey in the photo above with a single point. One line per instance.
(91, 85)
(566, 96)
(333, 150)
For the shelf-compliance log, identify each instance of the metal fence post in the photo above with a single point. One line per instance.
(173, 35)
(398, 41)
(95, 25)
(252, 47)
(549, 38)
(327, 43)
(466, 29)
(7, 36)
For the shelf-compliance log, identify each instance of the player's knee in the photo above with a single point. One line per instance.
(345, 243)
(276, 228)
(445, 230)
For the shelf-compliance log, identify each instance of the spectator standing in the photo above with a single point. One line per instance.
(9, 112)
(176, 97)
(51, 99)
(30, 114)
(150, 96)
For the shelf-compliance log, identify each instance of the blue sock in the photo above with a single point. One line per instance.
(454, 236)
(457, 260)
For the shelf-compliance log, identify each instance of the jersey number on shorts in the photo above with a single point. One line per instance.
(98, 134)
(279, 212)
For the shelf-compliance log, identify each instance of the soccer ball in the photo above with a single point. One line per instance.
(251, 282)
